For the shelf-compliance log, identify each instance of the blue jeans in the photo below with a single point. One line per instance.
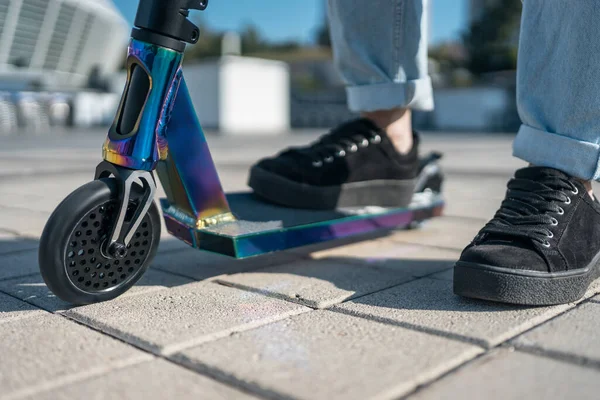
(381, 52)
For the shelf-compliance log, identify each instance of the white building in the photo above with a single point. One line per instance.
(57, 43)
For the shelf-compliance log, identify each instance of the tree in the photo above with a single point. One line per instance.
(252, 41)
(323, 35)
(491, 41)
(210, 42)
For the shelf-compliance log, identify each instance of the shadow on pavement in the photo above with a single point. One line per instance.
(20, 278)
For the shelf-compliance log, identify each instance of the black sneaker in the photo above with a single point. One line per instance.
(541, 248)
(353, 165)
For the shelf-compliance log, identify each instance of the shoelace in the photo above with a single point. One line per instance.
(330, 146)
(326, 151)
(526, 211)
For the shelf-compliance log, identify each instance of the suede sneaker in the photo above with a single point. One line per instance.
(541, 248)
(354, 165)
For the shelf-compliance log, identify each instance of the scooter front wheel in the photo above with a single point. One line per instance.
(72, 254)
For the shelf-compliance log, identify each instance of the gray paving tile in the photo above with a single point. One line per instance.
(202, 265)
(469, 206)
(414, 259)
(12, 309)
(33, 289)
(31, 202)
(512, 375)
(54, 188)
(19, 166)
(23, 221)
(45, 349)
(157, 379)
(10, 243)
(430, 305)
(183, 316)
(447, 275)
(319, 284)
(327, 355)
(574, 333)
(484, 158)
(449, 232)
(168, 243)
(18, 264)
(481, 187)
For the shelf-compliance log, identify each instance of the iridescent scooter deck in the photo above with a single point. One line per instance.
(167, 137)
(264, 228)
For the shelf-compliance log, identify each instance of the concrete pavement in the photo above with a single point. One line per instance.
(370, 319)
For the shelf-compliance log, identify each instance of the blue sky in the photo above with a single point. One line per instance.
(279, 20)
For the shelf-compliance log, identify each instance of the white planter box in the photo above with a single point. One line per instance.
(241, 95)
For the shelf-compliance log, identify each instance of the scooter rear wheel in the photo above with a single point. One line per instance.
(72, 256)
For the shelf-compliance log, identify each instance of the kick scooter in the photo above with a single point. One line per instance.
(102, 238)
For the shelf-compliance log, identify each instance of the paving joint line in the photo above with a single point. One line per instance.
(45, 213)
(557, 355)
(222, 376)
(482, 343)
(146, 351)
(151, 267)
(231, 381)
(364, 263)
(207, 279)
(66, 380)
(245, 388)
(284, 297)
(298, 300)
(212, 337)
(36, 308)
(60, 310)
(45, 174)
(567, 357)
(458, 217)
(401, 241)
(449, 372)
(14, 252)
(24, 301)
(9, 231)
(505, 344)
(8, 278)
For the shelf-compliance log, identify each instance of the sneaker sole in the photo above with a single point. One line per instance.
(381, 193)
(528, 288)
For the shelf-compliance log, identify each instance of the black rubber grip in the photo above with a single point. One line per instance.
(136, 95)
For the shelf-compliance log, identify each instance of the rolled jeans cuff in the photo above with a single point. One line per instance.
(572, 156)
(416, 95)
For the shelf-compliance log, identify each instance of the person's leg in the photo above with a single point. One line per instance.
(543, 245)
(380, 49)
(559, 87)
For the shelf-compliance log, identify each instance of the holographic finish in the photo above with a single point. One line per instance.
(230, 239)
(188, 173)
(168, 137)
(142, 149)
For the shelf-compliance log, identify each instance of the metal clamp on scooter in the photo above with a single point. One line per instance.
(165, 22)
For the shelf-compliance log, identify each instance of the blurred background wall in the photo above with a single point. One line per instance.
(49, 51)
(262, 66)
